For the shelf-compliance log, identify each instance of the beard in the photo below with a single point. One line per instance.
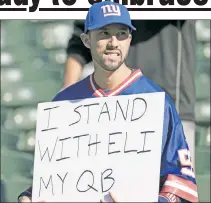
(107, 64)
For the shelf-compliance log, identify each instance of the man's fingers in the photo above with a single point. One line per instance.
(109, 198)
(113, 196)
(24, 199)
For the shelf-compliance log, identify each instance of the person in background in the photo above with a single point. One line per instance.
(165, 52)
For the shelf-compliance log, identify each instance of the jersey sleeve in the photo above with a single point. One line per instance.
(27, 193)
(177, 173)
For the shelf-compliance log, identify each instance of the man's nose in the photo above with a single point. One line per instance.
(114, 41)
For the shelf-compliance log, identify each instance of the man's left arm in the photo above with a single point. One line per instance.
(177, 182)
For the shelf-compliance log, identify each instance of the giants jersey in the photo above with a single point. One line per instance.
(177, 179)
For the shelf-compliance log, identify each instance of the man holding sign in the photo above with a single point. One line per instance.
(108, 35)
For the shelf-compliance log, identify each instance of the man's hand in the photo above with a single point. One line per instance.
(24, 199)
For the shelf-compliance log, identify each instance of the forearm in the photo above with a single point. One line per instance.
(73, 71)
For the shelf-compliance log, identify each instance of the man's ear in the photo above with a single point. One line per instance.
(130, 37)
(86, 40)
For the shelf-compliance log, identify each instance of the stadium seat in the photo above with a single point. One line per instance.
(26, 141)
(203, 67)
(26, 73)
(202, 111)
(56, 56)
(4, 113)
(203, 51)
(17, 54)
(207, 51)
(14, 162)
(22, 119)
(29, 93)
(203, 30)
(53, 34)
(15, 33)
(202, 83)
(202, 136)
(7, 58)
(3, 38)
(9, 139)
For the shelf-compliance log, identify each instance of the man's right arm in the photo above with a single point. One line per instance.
(77, 56)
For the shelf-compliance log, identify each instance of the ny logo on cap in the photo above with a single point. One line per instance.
(111, 10)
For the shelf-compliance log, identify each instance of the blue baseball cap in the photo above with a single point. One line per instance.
(105, 13)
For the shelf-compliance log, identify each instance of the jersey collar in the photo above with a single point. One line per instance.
(123, 85)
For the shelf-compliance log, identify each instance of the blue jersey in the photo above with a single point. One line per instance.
(177, 179)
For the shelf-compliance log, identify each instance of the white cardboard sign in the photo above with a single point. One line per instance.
(86, 148)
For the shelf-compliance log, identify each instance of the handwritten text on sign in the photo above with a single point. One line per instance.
(89, 147)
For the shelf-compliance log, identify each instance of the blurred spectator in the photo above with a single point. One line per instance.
(165, 52)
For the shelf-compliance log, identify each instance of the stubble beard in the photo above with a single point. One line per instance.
(110, 68)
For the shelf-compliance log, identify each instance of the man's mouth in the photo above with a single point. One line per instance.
(112, 53)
